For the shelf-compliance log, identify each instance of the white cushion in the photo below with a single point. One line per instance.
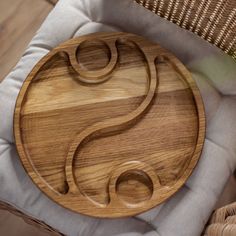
(185, 213)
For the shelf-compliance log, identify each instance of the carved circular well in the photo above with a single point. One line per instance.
(109, 124)
(134, 183)
(93, 55)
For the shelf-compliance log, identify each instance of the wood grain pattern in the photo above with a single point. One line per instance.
(19, 20)
(109, 124)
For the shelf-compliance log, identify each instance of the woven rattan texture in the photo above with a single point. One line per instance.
(223, 222)
(213, 20)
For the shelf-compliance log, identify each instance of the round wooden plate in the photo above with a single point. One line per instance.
(109, 124)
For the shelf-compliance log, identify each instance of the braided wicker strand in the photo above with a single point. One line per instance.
(223, 222)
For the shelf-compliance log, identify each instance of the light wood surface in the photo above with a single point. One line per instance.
(19, 20)
(109, 124)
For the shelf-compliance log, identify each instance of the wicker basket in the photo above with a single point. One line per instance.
(214, 21)
(222, 222)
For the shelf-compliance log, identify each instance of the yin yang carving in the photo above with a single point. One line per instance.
(109, 124)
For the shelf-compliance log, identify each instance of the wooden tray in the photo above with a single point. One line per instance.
(109, 124)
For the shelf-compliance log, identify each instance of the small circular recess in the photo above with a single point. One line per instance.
(93, 55)
(134, 187)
